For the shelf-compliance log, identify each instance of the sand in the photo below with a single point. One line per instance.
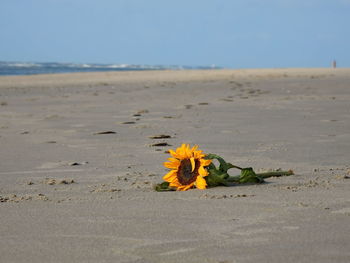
(80, 154)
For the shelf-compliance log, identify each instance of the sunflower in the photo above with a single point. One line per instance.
(187, 168)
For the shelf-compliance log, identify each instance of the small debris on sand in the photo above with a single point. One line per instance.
(160, 144)
(15, 198)
(142, 111)
(56, 181)
(105, 190)
(128, 122)
(104, 132)
(160, 136)
(224, 196)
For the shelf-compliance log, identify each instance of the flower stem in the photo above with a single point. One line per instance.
(230, 165)
(275, 174)
(233, 179)
(236, 178)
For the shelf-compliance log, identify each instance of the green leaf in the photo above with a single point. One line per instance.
(216, 178)
(163, 187)
(249, 176)
(224, 166)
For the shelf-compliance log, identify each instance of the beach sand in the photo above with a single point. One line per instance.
(78, 166)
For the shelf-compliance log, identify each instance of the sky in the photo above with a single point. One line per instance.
(225, 33)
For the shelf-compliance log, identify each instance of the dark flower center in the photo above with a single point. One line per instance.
(185, 174)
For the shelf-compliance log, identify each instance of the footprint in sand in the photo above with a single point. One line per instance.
(104, 132)
(128, 122)
(160, 136)
(160, 144)
(189, 106)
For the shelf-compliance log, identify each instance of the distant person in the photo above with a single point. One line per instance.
(334, 64)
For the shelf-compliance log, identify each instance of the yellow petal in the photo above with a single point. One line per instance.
(173, 160)
(201, 183)
(170, 177)
(205, 162)
(185, 187)
(171, 165)
(198, 154)
(182, 148)
(193, 164)
(186, 151)
(174, 154)
(202, 171)
(188, 187)
(175, 183)
(181, 152)
(180, 188)
(189, 151)
(194, 148)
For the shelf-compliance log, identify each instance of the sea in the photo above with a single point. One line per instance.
(32, 68)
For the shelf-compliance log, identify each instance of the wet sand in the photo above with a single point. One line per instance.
(80, 154)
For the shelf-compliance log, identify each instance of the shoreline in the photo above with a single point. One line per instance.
(95, 78)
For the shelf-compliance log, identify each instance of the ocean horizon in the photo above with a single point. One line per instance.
(33, 68)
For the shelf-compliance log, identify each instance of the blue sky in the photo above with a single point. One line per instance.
(227, 33)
